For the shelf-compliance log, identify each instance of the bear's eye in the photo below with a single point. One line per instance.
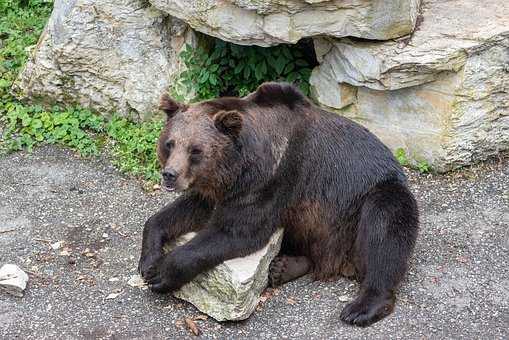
(170, 144)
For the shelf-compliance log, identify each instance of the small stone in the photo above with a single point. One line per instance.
(201, 317)
(113, 295)
(57, 245)
(291, 301)
(231, 291)
(137, 282)
(344, 298)
(65, 252)
(13, 280)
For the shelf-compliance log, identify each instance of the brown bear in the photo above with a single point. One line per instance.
(246, 166)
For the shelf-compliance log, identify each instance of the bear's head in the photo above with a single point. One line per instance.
(198, 145)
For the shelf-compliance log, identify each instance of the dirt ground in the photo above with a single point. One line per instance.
(458, 285)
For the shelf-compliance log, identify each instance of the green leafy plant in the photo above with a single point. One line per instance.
(400, 155)
(229, 69)
(133, 144)
(423, 167)
(134, 147)
(27, 126)
(21, 23)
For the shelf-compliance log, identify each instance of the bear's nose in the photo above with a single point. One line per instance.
(169, 175)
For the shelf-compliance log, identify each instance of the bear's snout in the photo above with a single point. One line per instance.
(169, 178)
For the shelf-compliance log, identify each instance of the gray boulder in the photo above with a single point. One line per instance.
(441, 94)
(270, 22)
(231, 290)
(111, 56)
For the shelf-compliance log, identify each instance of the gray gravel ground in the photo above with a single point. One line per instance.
(458, 285)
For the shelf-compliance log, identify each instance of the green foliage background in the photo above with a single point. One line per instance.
(229, 69)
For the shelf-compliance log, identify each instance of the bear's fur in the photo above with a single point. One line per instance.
(246, 166)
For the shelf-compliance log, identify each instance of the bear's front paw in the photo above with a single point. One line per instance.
(148, 261)
(163, 277)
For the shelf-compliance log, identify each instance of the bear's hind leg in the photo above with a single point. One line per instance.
(287, 268)
(386, 235)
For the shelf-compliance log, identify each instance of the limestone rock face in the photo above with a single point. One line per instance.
(442, 94)
(270, 22)
(111, 56)
(231, 290)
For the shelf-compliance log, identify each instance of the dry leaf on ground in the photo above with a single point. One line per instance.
(192, 326)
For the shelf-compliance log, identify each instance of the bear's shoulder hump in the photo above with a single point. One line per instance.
(278, 93)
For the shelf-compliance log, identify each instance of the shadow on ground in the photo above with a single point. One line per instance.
(458, 285)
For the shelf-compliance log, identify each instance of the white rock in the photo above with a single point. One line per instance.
(344, 298)
(442, 95)
(137, 282)
(270, 22)
(109, 55)
(113, 295)
(57, 245)
(13, 280)
(231, 290)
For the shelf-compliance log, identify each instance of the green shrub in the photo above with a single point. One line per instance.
(133, 144)
(27, 126)
(229, 69)
(134, 147)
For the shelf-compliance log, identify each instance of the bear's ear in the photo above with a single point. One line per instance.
(228, 122)
(169, 105)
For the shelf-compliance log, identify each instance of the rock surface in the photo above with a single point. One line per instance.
(112, 56)
(270, 22)
(13, 280)
(442, 94)
(231, 290)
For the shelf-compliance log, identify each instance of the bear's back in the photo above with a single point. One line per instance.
(312, 153)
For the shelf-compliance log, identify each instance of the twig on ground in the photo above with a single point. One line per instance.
(7, 231)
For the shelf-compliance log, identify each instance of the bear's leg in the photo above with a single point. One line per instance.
(287, 268)
(207, 249)
(386, 236)
(187, 213)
